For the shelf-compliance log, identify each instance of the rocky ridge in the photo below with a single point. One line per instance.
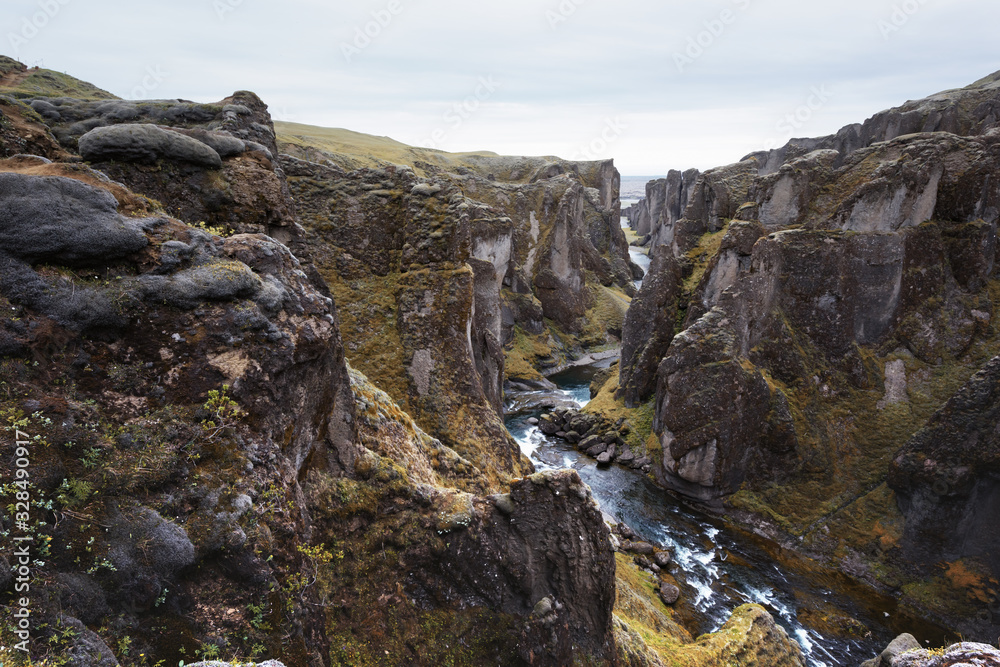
(808, 310)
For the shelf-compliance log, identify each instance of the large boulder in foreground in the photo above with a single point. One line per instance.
(50, 218)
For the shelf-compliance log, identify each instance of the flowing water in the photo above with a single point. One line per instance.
(721, 568)
(632, 189)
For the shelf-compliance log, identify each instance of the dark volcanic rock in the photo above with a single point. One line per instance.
(670, 594)
(44, 218)
(513, 561)
(211, 163)
(145, 143)
(649, 327)
(947, 478)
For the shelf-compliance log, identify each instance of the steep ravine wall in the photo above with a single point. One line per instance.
(810, 310)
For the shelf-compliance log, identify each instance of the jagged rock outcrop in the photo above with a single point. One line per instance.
(665, 202)
(807, 300)
(434, 261)
(566, 222)
(893, 185)
(968, 111)
(209, 163)
(713, 199)
(888, 244)
(522, 554)
(947, 479)
(649, 327)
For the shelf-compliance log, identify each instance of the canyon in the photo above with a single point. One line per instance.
(265, 369)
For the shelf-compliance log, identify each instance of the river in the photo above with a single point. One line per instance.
(722, 568)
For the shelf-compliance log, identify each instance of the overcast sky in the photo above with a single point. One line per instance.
(656, 85)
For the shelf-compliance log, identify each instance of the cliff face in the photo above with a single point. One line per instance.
(896, 247)
(810, 310)
(209, 477)
(541, 237)
(417, 268)
(946, 479)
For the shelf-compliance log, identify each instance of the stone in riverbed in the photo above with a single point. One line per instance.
(581, 423)
(547, 426)
(573, 437)
(533, 421)
(561, 435)
(663, 558)
(669, 594)
(588, 442)
(604, 459)
(598, 450)
(626, 458)
(642, 548)
(642, 562)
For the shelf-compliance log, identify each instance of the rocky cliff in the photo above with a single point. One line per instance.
(806, 313)
(208, 477)
(536, 242)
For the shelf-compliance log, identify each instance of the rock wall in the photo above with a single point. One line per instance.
(807, 296)
(946, 479)
(540, 237)
(436, 261)
(822, 302)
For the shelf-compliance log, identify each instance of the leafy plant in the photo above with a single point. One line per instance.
(225, 412)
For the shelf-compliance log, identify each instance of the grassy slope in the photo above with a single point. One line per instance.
(46, 83)
(355, 150)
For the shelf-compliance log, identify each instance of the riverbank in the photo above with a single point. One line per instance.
(720, 566)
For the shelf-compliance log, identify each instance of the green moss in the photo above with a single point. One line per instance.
(524, 354)
(606, 315)
(701, 256)
(367, 310)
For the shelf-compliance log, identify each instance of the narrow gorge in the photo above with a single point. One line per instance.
(292, 396)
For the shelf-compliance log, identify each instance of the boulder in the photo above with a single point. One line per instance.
(548, 426)
(642, 548)
(663, 558)
(86, 648)
(50, 218)
(597, 450)
(223, 143)
(901, 644)
(958, 655)
(669, 594)
(145, 143)
(216, 280)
